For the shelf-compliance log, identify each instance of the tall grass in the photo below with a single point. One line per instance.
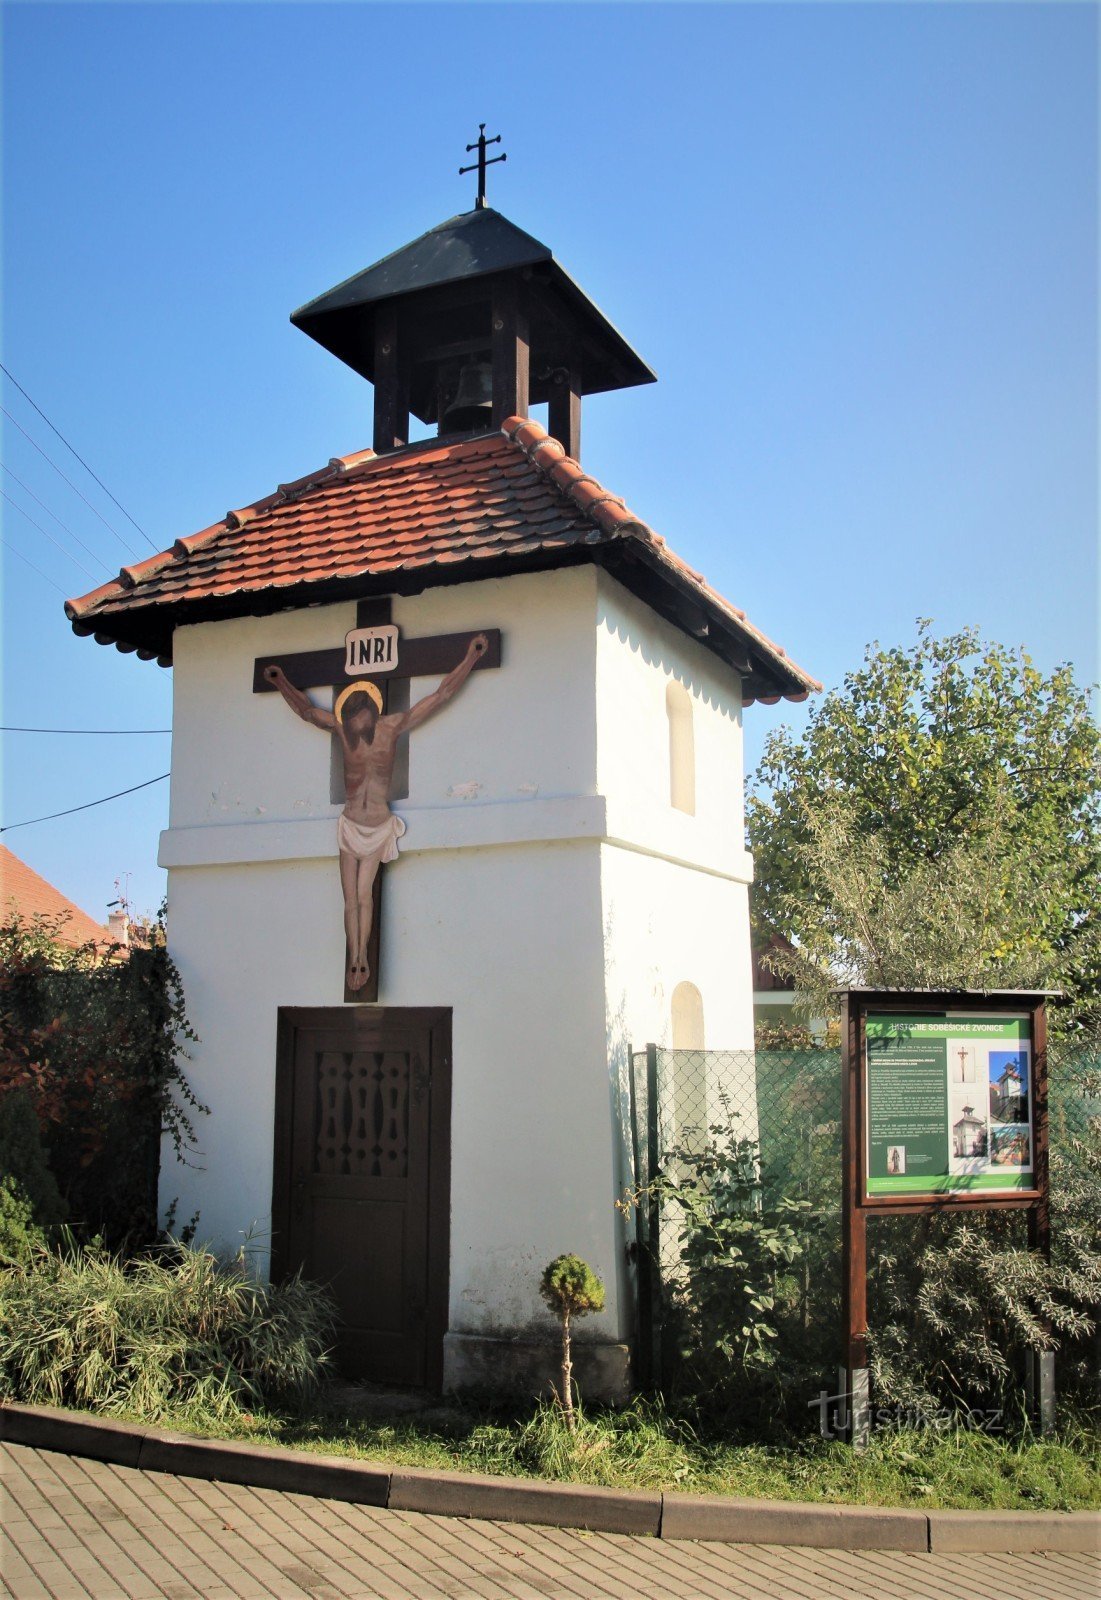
(170, 1332)
(647, 1446)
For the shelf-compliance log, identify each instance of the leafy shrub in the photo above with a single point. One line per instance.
(23, 1159)
(95, 1041)
(954, 1311)
(20, 1235)
(172, 1331)
(738, 1284)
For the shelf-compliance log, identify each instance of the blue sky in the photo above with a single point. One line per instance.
(858, 244)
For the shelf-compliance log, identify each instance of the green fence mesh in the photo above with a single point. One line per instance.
(788, 1103)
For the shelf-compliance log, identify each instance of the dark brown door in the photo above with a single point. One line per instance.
(361, 1191)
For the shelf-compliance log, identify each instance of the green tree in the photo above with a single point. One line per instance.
(938, 823)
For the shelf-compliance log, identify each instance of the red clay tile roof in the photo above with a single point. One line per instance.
(764, 979)
(32, 896)
(448, 511)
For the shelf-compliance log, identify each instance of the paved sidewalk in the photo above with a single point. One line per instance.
(74, 1529)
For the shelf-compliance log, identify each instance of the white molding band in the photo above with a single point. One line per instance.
(668, 836)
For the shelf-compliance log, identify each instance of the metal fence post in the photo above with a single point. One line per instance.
(643, 1266)
(653, 1211)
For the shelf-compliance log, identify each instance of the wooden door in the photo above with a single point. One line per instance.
(361, 1193)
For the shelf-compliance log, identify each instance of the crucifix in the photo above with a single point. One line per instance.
(370, 715)
(480, 145)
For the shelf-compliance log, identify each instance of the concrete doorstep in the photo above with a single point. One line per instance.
(565, 1505)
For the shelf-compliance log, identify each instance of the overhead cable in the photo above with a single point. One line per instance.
(87, 806)
(63, 525)
(127, 547)
(48, 535)
(28, 562)
(80, 458)
(85, 730)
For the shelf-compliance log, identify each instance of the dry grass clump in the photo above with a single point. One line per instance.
(176, 1331)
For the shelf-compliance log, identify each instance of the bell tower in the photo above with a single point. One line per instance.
(472, 323)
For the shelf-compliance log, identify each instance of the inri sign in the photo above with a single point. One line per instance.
(371, 650)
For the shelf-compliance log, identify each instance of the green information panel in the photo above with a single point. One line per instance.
(948, 1104)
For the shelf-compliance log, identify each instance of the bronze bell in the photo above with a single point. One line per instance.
(471, 411)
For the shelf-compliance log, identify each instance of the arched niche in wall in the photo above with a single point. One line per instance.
(682, 748)
(687, 1017)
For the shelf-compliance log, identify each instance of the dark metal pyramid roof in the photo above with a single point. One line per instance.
(476, 244)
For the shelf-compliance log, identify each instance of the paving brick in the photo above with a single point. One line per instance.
(336, 1550)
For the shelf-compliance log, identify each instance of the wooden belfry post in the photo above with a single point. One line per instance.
(511, 364)
(391, 424)
(428, 657)
(511, 356)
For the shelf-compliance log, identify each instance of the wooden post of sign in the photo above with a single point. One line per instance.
(1041, 1363)
(855, 1414)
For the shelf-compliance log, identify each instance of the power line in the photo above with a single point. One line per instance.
(87, 806)
(128, 548)
(63, 525)
(28, 562)
(80, 458)
(48, 535)
(86, 730)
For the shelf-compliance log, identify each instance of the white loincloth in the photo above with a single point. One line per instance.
(362, 841)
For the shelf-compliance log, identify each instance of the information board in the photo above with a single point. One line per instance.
(948, 1104)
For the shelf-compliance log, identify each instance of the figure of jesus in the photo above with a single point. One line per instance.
(368, 831)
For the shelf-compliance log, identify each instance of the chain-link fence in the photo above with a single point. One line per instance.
(768, 1115)
(762, 1130)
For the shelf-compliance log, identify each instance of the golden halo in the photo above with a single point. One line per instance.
(364, 686)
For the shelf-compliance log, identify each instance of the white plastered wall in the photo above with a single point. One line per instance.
(547, 892)
(674, 887)
(492, 910)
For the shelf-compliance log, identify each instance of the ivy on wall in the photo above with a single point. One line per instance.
(96, 1040)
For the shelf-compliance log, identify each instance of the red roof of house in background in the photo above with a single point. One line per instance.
(765, 981)
(33, 897)
(447, 511)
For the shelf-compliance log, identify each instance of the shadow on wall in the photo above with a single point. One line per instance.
(654, 655)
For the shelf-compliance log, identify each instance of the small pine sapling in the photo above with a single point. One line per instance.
(570, 1288)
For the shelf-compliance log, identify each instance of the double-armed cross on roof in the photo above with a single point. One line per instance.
(480, 145)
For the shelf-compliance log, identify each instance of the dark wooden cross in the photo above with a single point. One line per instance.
(417, 658)
(480, 145)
